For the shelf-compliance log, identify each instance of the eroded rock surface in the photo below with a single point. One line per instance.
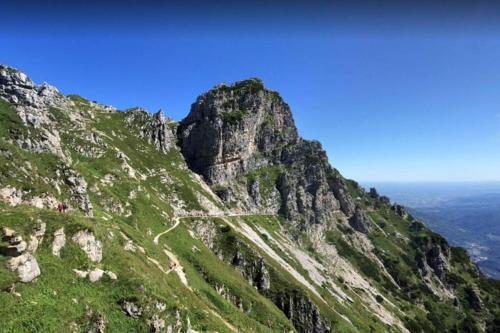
(152, 127)
(26, 266)
(59, 242)
(242, 139)
(89, 244)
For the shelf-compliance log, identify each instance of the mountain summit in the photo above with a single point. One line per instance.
(228, 221)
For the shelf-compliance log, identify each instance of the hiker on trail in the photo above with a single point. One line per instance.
(61, 207)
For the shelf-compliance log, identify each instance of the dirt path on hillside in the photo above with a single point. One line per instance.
(157, 237)
(156, 240)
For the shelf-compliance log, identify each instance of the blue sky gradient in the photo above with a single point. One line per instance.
(394, 93)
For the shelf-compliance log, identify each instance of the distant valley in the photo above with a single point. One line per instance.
(467, 215)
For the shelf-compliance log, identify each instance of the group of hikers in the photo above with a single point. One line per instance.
(61, 207)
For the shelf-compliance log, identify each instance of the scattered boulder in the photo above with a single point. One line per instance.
(59, 242)
(7, 233)
(97, 322)
(95, 275)
(89, 244)
(11, 196)
(111, 275)
(131, 309)
(26, 266)
(156, 324)
(130, 246)
(160, 306)
(81, 274)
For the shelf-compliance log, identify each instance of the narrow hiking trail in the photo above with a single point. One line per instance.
(157, 237)
(156, 240)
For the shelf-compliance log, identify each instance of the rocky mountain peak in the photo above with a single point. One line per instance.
(242, 139)
(151, 126)
(17, 88)
(230, 124)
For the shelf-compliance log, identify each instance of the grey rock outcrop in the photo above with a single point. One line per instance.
(360, 221)
(242, 138)
(132, 309)
(59, 242)
(15, 244)
(254, 271)
(472, 296)
(26, 266)
(400, 210)
(89, 244)
(17, 88)
(37, 237)
(156, 324)
(303, 313)
(21, 261)
(78, 188)
(433, 254)
(95, 275)
(152, 127)
(31, 103)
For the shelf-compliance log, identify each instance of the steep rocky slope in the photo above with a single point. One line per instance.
(228, 221)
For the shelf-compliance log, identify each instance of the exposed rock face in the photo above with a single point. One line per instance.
(360, 221)
(152, 127)
(37, 237)
(97, 321)
(156, 324)
(59, 242)
(22, 261)
(16, 245)
(434, 253)
(31, 103)
(17, 88)
(305, 191)
(472, 296)
(229, 124)
(132, 309)
(254, 271)
(14, 197)
(302, 312)
(243, 139)
(98, 325)
(78, 190)
(400, 210)
(26, 266)
(89, 244)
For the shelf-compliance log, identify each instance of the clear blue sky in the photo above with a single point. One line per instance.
(394, 93)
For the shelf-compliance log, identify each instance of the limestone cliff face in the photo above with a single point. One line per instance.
(152, 127)
(229, 125)
(242, 139)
